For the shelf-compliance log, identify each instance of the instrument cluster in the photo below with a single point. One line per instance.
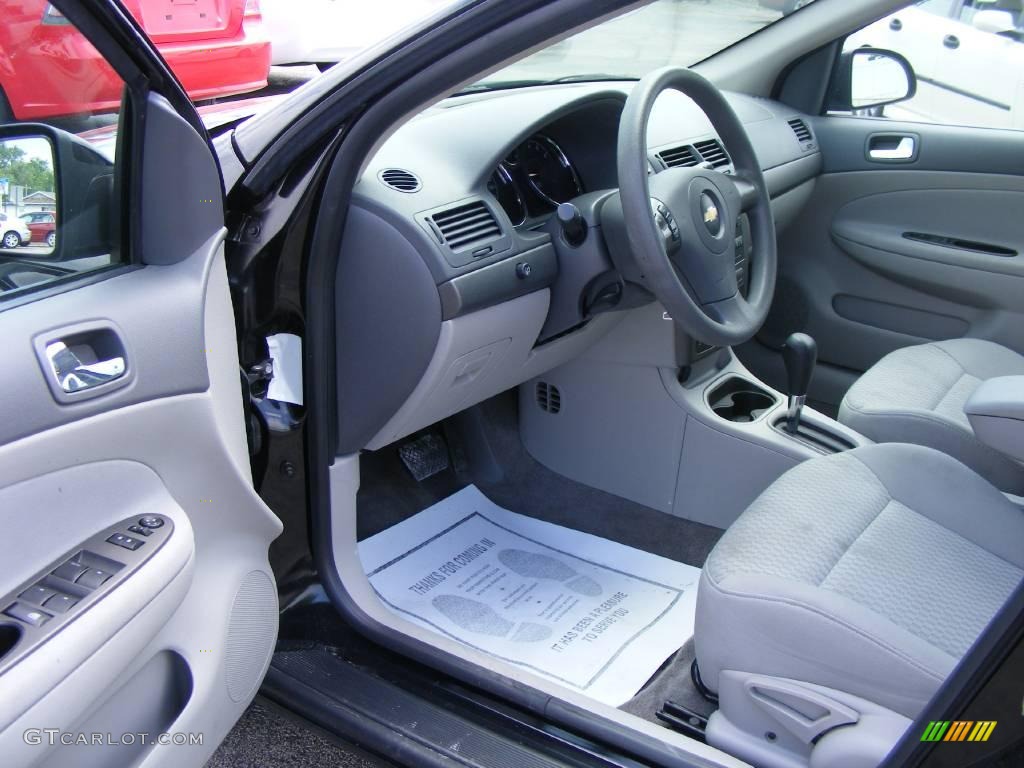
(534, 179)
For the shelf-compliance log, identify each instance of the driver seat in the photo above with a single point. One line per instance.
(844, 596)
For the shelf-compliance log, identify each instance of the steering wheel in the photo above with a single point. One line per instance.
(681, 222)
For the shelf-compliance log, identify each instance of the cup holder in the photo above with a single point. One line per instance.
(740, 401)
(10, 634)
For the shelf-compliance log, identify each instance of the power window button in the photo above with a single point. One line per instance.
(28, 614)
(140, 530)
(61, 603)
(69, 571)
(93, 578)
(127, 542)
(38, 594)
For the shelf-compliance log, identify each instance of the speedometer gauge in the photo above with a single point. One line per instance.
(506, 191)
(548, 171)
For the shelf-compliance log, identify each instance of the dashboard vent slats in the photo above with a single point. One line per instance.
(803, 133)
(400, 179)
(679, 157)
(712, 151)
(466, 225)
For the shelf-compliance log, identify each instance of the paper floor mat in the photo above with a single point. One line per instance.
(594, 615)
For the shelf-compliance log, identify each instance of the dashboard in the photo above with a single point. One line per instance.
(460, 202)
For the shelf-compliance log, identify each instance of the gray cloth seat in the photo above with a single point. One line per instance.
(870, 572)
(917, 395)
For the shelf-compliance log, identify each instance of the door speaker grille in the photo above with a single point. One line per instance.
(548, 397)
(251, 632)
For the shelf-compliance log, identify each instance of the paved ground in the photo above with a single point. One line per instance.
(268, 737)
(27, 251)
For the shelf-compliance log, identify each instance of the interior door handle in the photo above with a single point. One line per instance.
(890, 147)
(74, 374)
(951, 41)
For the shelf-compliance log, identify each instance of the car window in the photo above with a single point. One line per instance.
(663, 33)
(54, 76)
(968, 58)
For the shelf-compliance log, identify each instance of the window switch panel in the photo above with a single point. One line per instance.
(64, 590)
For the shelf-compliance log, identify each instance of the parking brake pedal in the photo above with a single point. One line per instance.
(682, 719)
(425, 456)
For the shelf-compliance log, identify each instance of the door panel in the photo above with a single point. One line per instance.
(884, 256)
(181, 643)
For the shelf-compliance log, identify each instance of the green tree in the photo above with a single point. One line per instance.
(35, 174)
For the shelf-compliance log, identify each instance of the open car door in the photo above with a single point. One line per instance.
(138, 611)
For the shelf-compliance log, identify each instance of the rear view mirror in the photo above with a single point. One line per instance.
(56, 195)
(996, 22)
(871, 77)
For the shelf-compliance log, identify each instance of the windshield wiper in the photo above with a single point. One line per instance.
(499, 85)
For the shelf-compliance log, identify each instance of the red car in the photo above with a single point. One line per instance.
(47, 68)
(43, 226)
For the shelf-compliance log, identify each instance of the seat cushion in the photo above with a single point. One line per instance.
(917, 395)
(870, 572)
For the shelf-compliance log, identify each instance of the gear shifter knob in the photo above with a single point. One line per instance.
(800, 353)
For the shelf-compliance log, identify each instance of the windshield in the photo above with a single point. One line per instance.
(666, 32)
(264, 49)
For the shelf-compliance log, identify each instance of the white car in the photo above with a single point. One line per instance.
(968, 56)
(13, 232)
(324, 32)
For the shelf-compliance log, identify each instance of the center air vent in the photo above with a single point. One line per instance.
(466, 225)
(712, 151)
(679, 157)
(549, 399)
(803, 133)
(402, 180)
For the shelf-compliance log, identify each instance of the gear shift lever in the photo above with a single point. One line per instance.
(800, 353)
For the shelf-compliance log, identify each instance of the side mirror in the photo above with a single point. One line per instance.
(871, 77)
(44, 169)
(996, 22)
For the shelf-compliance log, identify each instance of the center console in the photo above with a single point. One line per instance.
(693, 435)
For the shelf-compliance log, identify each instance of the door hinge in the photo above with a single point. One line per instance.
(259, 376)
(248, 230)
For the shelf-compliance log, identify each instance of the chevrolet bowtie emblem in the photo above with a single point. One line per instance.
(711, 215)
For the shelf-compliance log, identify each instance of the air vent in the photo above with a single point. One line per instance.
(467, 225)
(712, 152)
(803, 133)
(679, 157)
(549, 399)
(403, 181)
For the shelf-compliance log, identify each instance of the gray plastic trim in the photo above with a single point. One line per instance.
(499, 282)
(177, 216)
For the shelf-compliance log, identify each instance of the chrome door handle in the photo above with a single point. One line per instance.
(74, 374)
(904, 150)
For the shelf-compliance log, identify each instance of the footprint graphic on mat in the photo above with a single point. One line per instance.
(537, 566)
(480, 617)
